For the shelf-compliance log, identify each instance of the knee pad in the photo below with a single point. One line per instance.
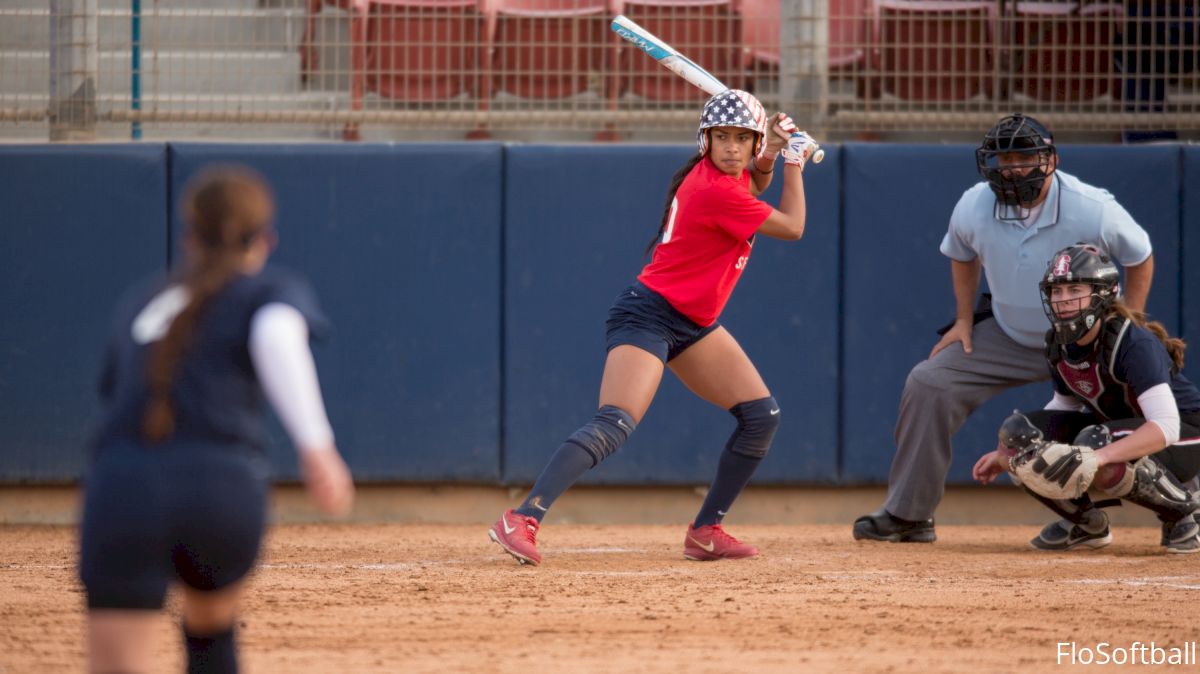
(757, 422)
(605, 433)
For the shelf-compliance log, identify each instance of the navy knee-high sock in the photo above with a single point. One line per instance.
(567, 465)
(733, 474)
(586, 448)
(757, 422)
(211, 653)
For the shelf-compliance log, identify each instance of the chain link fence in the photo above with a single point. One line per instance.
(445, 69)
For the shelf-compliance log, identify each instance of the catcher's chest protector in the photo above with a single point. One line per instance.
(1092, 380)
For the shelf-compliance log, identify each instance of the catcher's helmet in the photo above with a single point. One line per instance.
(1016, 157)
(1081, 263)
(733, 107)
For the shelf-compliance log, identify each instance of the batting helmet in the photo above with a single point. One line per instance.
(733, 107)
(1019, 182)
(1086, 264)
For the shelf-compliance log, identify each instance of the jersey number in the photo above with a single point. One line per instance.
(152, 323)
(670, 221)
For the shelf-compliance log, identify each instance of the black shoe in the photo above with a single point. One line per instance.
(1182, 537)
(883, 526)
(1063, 535)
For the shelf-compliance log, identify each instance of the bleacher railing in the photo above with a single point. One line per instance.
(439, 69)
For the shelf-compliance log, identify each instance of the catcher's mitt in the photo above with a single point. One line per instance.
(1056, 470)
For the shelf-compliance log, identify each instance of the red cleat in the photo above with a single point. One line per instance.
(710, 543)
(517, 534)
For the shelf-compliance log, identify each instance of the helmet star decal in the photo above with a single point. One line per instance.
(732, 108)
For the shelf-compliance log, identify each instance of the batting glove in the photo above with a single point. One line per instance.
(799, 148)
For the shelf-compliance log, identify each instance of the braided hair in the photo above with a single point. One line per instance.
(225, 210)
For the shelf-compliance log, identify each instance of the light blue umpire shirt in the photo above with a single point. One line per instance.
(1014, 254)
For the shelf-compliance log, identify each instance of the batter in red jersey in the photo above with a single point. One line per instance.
(707, 241)
(668, 318)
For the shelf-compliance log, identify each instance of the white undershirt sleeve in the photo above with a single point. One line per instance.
(1062, 403)
(1159, 407)
(279, 349)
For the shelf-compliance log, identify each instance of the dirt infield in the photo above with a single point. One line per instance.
(425, 598)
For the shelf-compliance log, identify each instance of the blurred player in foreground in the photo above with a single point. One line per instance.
(177, 486)
(1119, 398)
(668, 317)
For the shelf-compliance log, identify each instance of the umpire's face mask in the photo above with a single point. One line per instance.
(1016, 178)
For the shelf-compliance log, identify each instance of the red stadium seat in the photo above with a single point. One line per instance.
(934, 50)
(548, 48)
(1063, 52)
(418, 50)
(848, 20)
(760, 30)
(708, 32)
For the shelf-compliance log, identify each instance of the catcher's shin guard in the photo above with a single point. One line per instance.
(1155, 488)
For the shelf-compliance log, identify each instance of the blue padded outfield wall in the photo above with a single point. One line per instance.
(80, 224)
(468, 285)
(1189, 252)
(403, 245)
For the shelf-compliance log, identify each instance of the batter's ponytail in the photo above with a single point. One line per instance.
(1174, 345)
(225, 210)
(676, 181)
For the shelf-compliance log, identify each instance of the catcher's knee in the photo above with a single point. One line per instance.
(1018, 433)
(1094, 436)
(605, 433)
(758, 420)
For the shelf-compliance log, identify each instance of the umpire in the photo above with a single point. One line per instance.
(1008, 226)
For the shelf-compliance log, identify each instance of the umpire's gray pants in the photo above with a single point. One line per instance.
(939, 395)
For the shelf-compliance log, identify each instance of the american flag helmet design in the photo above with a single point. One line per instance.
(732, 107)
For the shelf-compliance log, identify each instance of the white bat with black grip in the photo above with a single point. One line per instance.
(677, 63)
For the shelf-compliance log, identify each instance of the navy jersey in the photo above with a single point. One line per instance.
(216, 394)
(1110, 385)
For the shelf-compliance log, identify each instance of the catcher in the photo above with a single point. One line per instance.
(1132, 419)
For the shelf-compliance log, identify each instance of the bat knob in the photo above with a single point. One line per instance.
(818, 156)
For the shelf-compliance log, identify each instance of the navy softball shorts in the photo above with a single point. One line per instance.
(195, 515)
(643, 318)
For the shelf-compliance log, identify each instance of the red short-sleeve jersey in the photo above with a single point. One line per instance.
(706, 243)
